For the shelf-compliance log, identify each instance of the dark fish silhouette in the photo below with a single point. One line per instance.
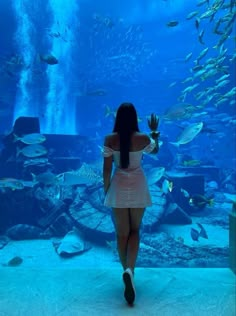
(203, 232)
(15, 261)
(200, 201)
(49, 59)
(172, 23)
(194, 234)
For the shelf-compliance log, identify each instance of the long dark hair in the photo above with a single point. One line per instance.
(126, 124)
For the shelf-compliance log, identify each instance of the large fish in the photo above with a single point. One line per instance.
(200, 201)
(14, 184)
(155, 175)
(30, 139)
(72, 244)
(85, 175)
(188, 134)
(32, 151)
(47, 178)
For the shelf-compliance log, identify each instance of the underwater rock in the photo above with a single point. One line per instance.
(17, 205)
(207, 257)
(217, 220)
(72, 244)
(174, 214)
(24, 231)
(14, 262)
(162, 250)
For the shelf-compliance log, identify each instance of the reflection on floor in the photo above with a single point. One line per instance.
(69, 292)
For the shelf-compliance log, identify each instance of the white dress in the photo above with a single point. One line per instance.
(128, 187)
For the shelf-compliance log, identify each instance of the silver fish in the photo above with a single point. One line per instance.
(167, 186)
(185, 193)
(222, 78)
(37, 162)
(190, 88)
(188, 57)
(188, 134)
(222, 84)
(47, 178)
(155, 175)
(202, 54)
(11, 183)
(231, 93)
(30, 139)
(191, 15)
(31, 151)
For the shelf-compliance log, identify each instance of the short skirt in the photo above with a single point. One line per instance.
(128, 189)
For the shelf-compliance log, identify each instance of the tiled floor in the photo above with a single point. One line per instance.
(70, 291)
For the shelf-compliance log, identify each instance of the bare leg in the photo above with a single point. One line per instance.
(122, 226)
(136, 215)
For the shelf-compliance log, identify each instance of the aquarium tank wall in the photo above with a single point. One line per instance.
(65, 67)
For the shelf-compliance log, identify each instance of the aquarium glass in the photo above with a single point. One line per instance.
(66, 66)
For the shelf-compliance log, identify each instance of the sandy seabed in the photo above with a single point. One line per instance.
(41, 253)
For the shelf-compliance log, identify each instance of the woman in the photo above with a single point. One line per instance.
(126, 191)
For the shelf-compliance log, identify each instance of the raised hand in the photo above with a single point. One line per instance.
(153, 122)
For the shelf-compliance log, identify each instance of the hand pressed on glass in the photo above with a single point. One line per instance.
(153, 122)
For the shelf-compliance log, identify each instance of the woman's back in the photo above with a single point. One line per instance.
(128, 188)
(138, 141)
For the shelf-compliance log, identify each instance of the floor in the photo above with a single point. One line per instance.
(73, 291)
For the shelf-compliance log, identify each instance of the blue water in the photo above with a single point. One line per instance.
(109, 53)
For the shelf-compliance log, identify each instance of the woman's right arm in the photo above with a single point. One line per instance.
(153, 122)
(156, 148)
(152, 145)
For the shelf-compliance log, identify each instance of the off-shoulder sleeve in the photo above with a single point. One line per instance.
(149, 148)
(106, 151)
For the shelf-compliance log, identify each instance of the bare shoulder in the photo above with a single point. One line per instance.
(142, 138)
(139, 141)
(110, 139)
